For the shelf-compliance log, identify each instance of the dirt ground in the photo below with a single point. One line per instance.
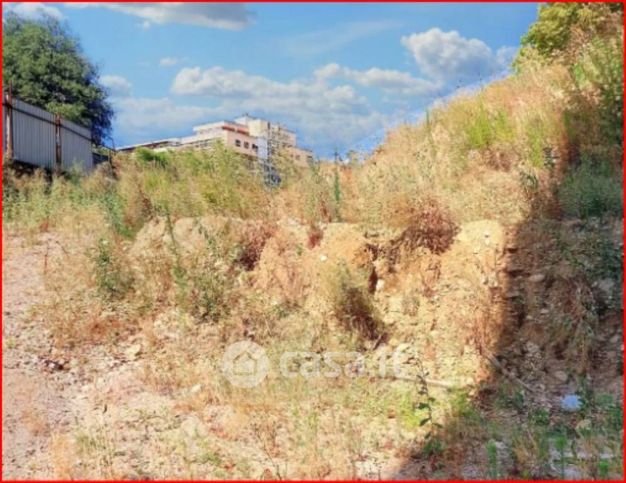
(88, 412)
(32, 401)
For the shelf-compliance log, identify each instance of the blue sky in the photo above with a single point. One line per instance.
(335, 73)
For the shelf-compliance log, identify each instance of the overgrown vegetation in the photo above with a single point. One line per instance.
(352, 303)
(187, 251)
(592, 189)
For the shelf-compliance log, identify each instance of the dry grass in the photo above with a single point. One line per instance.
(63, 456)
(174, 249)
(352, 302)
(469, 152)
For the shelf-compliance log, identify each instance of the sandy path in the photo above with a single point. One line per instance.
(33, 399)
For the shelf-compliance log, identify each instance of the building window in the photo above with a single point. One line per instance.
(255, 147)
(246, 145)
(237, 143)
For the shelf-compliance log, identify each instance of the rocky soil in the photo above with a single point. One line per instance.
(89, 413)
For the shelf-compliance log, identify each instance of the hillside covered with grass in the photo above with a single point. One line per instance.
(479, 250)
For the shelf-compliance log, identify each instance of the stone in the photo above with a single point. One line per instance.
(394, 342)
(572, 473)
(560, 376)
(380, 284)
(573, 223)
(606, 454)
(531, 347)
(382, 352)
(606, 287)
(583, 426)
(512, 267)
(403, 347)
(537, 278)
(395, 304)
(196, 389)
(511, 247)
(133, 352)
(571, 403)
(194, 428)
(606, 284)
(564, 270)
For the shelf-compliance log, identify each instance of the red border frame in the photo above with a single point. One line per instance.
(301, 1)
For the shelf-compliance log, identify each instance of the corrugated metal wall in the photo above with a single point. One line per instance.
(34, 135)
(76, 147)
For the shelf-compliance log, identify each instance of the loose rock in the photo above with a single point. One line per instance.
(537, 278)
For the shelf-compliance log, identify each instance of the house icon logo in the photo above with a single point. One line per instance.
(245, 364)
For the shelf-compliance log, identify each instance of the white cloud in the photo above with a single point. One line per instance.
(506, 55)
(33, 11)
(391, 81)
(217, 82)
(117, 85)
(318, 42)
(447, 56)
(325, 115)
(143, 119)
(232, 16)
(170, 61)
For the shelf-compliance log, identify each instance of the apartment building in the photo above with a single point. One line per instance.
(255, 138)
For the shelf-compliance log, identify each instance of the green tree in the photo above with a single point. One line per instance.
(558, 23)
(44, 64)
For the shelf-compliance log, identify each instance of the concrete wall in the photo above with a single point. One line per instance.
(241, 143)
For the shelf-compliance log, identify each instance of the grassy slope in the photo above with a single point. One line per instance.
(531, 151)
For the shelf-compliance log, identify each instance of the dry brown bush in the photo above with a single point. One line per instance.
(251, 241)
(352, 303)
(427, 224)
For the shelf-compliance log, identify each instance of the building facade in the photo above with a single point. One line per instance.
(255, 138)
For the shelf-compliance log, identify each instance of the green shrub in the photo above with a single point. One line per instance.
(190, 183)
(320, 198)
(203, 281)
(485, 129)
(149, 157)
(536, 142)
(591, 189)
(112, 275)
(492, 460)
(599, 74)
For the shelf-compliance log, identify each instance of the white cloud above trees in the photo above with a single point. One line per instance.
(450, 57)
(33, 11)
(117, 85)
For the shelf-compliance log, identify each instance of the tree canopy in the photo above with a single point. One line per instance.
(44, 64)
(558, 22)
